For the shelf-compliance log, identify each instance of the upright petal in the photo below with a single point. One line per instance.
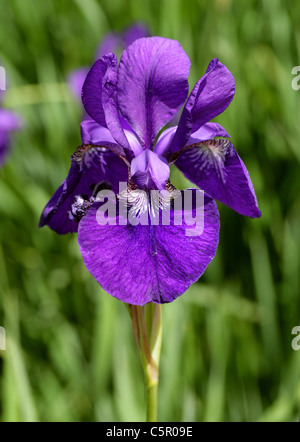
(149, 263)
(152, 85)
(209, 98)
(92, 89)
(214, 93)
(216, 167)
(110, 104)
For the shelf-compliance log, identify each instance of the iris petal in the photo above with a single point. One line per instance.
(95, 166)
(92, 89)
(89, 166)
(216, 167)
(110, 105)
(209, 98)
(148, 263)
(152, 85)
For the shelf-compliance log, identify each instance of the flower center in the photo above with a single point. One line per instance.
(150, 171)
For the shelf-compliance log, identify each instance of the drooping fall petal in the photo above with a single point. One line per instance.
(216, 167)
(150, 263)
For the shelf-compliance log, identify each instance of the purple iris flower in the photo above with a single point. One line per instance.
(130, 104)
(9, 122)
(112, 42)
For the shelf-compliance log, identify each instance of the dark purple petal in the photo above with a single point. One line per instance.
(75, 81)
(215, 92)
(92, 89)
(150, 171)
(110, 104)
(88, 168)
(216, 167)
(55, 213)
(149, 263)
(209, 98)
(152, 84)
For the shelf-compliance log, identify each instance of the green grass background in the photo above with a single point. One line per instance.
(226, 353)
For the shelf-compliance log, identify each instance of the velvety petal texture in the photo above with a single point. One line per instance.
(216, 167)
(209, 98)
(215, 92)
(55, 213)
(148, 263)
(87, 170)
(110, 104)
(92, 89)
(152, 85)
(89, 166)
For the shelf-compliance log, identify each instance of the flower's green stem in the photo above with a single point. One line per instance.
(147, 330)
(151, 395)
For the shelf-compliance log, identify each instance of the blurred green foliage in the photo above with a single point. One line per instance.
(226, 355)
